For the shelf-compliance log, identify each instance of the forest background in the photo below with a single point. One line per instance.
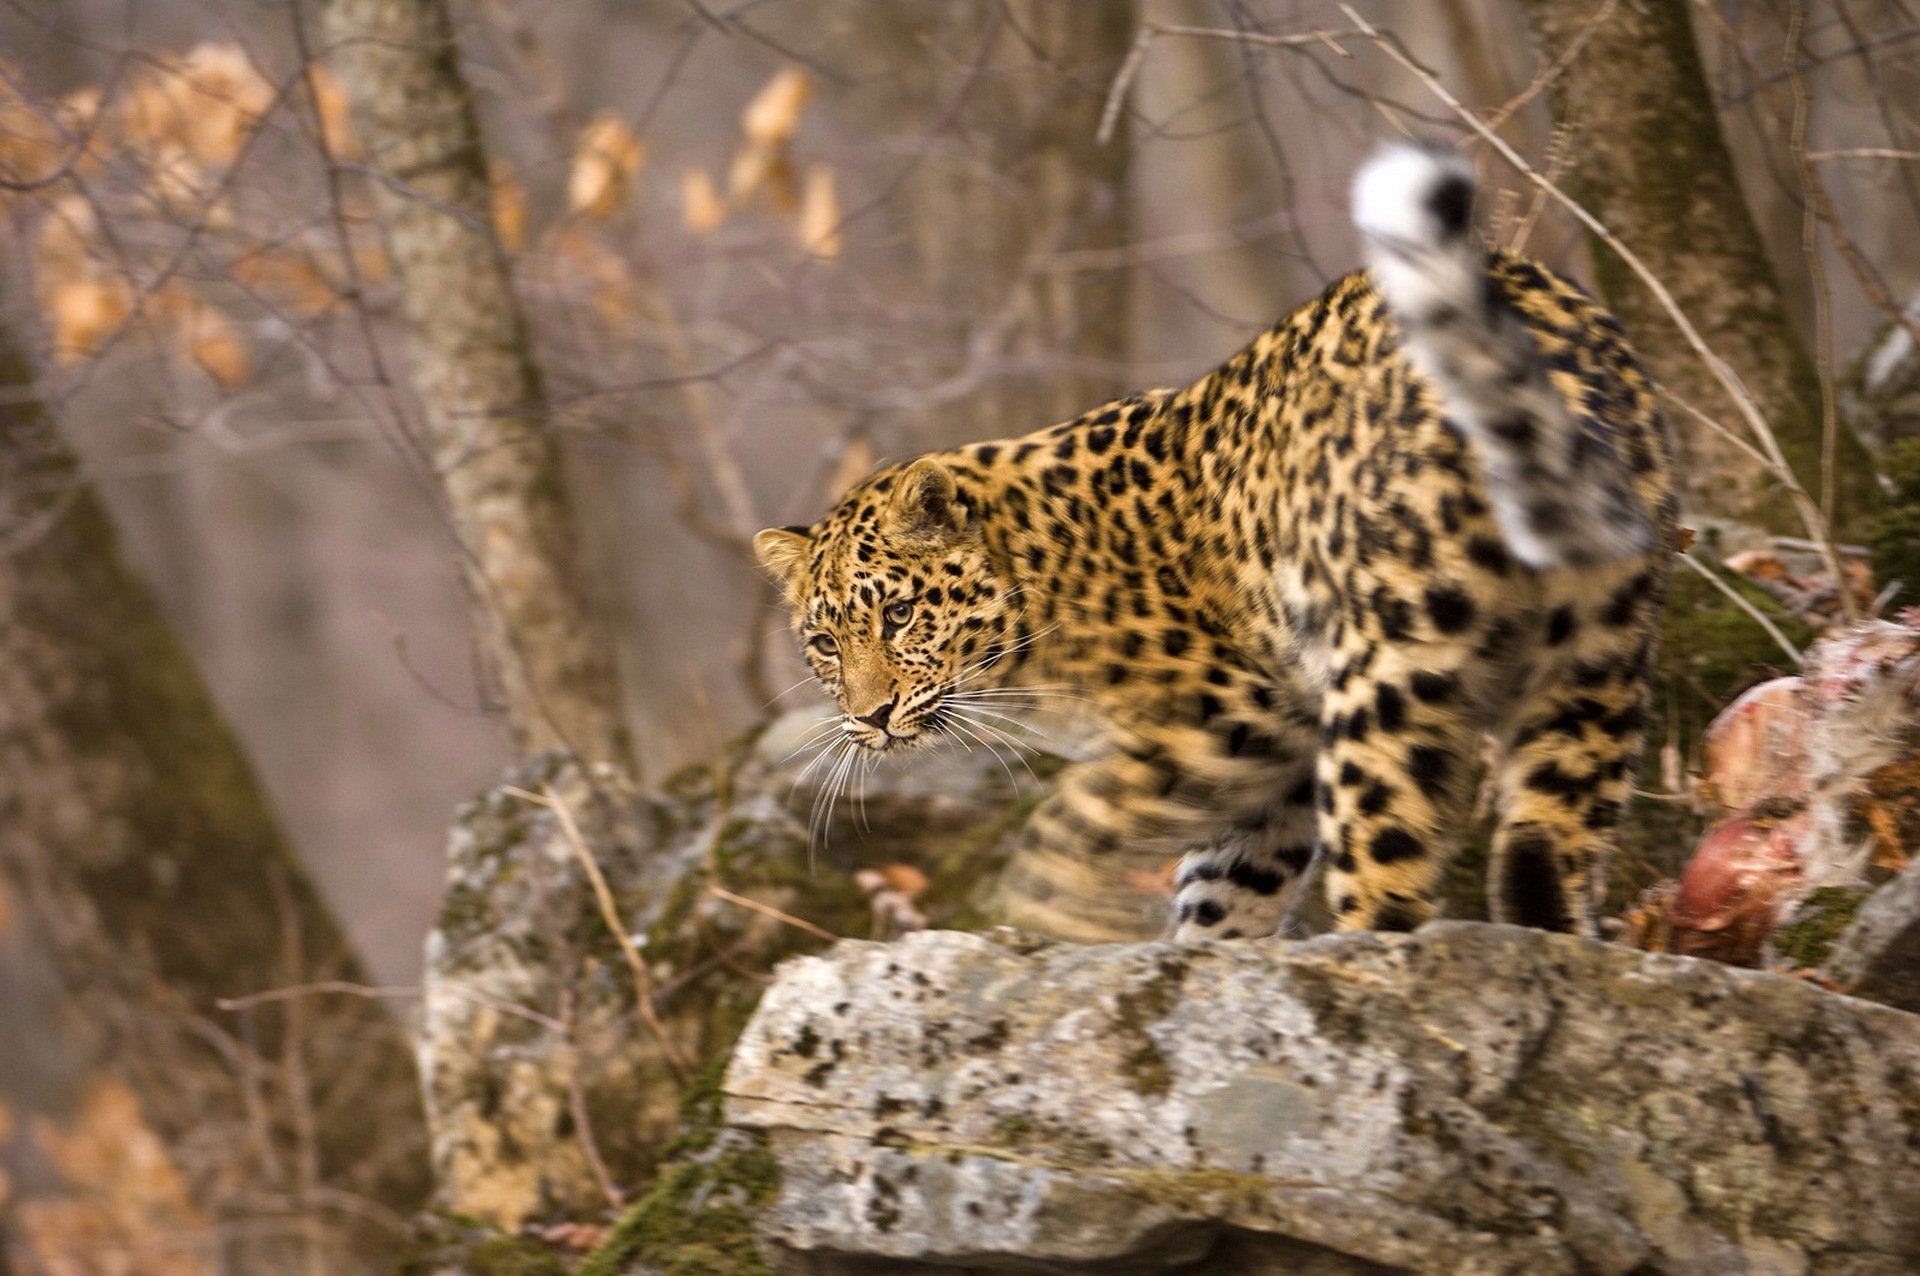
(397, 458)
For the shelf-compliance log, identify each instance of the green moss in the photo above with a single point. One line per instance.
(1201, 1192)
(1896, 535)
(1136, 1010)
(696, 1217)
(1809, 935)
(455, 1242)
(1010, 1131)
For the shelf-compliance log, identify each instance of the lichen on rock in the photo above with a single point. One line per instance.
(1467, 1098)
(535, 1058)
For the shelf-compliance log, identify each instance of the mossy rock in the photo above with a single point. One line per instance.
(696, 1219)
(443, 1244)
(1896, 536)
(1805, 939)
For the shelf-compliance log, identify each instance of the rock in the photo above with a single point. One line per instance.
(1466, 1099)
(1878, 956)
(547, 1094)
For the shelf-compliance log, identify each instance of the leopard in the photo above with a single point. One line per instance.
(1422, 523)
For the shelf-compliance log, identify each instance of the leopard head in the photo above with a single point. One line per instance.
(897, 603)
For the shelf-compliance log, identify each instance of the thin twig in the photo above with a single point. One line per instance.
(1864, 152)
(1758, 616)
(1557, 68)
(375, 992)
(768, 910)
(610, 915)
(1130, 68)
(582, 1118)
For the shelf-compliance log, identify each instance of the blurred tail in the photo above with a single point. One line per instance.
(1560, 494)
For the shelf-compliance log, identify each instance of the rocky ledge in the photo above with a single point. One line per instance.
(1467, 1099)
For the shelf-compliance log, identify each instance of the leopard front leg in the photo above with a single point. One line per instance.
(1226, 779)
(1245, 882)
(1081, 864)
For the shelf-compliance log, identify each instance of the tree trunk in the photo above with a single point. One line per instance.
(1016, 176)
(473, 374)
(1651, 163)
(142, 880)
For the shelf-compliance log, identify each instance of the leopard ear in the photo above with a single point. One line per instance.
(782, 552)
(925, 503)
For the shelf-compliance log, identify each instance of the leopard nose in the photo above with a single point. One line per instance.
(878, 718)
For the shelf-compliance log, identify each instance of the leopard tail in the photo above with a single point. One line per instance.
(1559, 491)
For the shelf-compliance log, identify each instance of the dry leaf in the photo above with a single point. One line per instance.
(774, 112)
(576, 1238)
(748, 173)
(37, 138)
(905, 878)
(196, 109)
(819, 227)
(128, 1211)
(782, 185)
(1759, 564)
(210, 340)
(67, 234)
(606, 158)
(509, 206)
(82, 313)
(701, 207)
(294, 279)
(336, 121)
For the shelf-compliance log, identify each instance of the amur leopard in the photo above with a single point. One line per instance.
(1430, 506)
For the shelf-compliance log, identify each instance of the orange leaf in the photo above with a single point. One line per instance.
(819, 228)
(336, 122)
(774, 112)
(606, 158)
(748, 173)
(905, 878)
(701, 207)
(214, 344)
(509, 207)
(82, 313)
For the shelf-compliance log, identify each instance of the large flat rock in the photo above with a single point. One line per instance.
(1467, 1099)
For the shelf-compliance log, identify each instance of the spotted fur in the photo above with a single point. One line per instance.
(1290, 593)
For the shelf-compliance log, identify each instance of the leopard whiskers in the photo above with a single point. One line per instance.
(820, 822)
(781, 695)
(960, 723)
(815, 736)
(990, 735)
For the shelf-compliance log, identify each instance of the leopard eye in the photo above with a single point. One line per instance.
(898, 614)
(824, 645)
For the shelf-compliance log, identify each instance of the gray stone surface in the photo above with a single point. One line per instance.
(1879, 955)
(1468, 1099)
(533, 1056)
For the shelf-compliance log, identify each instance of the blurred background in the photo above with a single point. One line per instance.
(758, 247)
(990, 267)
